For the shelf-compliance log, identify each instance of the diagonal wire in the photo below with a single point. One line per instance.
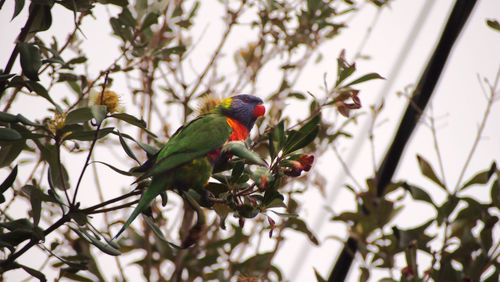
(421, 95)
(362, 136)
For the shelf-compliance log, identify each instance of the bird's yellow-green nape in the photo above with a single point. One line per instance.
(226, 103)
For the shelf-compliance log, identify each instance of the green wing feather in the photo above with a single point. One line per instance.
(198, 138)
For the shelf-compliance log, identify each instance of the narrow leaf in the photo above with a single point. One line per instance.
(31, 60)
(126, 148)
(122, 172)
(9, 153)
(276, 139)
(419, 193)
(286, 214)
(18, 8)
(40, 90)
(130, 119)
(155, 228)
(428, 171)
(364, 78)
(99, 112)
(299, 139)
(494, 24)
(239, 149)
(103, 246)
(480, 178)
(8, 182)
(9, 135)
(35, 273)
(36, 205)
(79, 115)
(89, 135)
(318, 276)
(299, 225)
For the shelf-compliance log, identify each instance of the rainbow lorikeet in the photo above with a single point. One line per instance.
(187, 159)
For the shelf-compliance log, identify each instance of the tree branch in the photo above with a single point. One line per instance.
(421, 95)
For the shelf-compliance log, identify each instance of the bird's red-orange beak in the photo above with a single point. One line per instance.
(259, 111)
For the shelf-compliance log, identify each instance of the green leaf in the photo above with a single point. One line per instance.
(10, 118)
(446, 209)
(9, 135)
(344, 69)
(419, 194)
(89, 135)
(428, 171)
(30, 189)
(297, 95)
(480, 178)
(178, 50)
(31, 60)
(298, 139)
(493, 24)
(150, 19)
(286, 215)
(222, 211)
(126, 148)
(9, 153)
(79, 115)
(77, 60)
(239, 149)
(495, 193)
(70, 274)
(17, 8)
(312, 6)
(99, 112)
(56, 180)
(43, 18)
(7, 183)
(6, 117)
(35, 273)
(277, 139)
(155, 228)
(257, 263)
(36, 205)
(364, 78)
(318, 276)
(237, 171)
(130, 119)
(276, 203)
(40, 90)
(298, 224)
(122, 172)
(103, 246)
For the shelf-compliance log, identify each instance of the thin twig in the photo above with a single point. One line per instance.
(230, 25)
(436, 145)
(491, 100)
(114, 200)
(92, 145)
(119, 207)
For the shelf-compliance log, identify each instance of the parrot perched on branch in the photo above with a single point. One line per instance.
(187, 159)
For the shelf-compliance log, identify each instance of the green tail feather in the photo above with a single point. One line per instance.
(157, 186)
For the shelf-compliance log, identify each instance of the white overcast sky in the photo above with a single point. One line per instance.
(458, 105)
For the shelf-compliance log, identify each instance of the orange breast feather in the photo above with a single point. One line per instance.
(240, 132)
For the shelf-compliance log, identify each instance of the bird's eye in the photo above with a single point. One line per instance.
(246, 100)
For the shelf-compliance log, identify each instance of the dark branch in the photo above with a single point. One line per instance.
(416, 106)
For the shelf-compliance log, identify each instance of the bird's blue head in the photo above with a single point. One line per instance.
(243, 108)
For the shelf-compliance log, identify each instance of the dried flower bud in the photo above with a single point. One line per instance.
(57, 123)
(109, 99)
